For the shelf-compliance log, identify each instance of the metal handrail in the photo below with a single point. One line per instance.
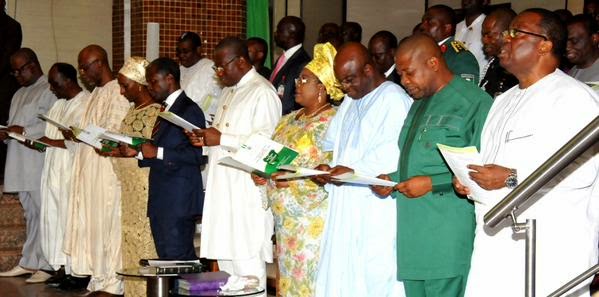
(586, 138)
(575, 281)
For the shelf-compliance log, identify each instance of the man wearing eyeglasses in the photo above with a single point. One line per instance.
(525, 126)
(23, 165)
(236, 225)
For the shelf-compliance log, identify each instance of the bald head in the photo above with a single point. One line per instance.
(420, 63)
(502, 16)
(439, 22)
(355, 70)
(93, 65)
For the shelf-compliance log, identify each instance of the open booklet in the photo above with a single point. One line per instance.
(177, 120)
(260, 154)
(53, 122)
(38, 144)
(104, 140)
(458, 158)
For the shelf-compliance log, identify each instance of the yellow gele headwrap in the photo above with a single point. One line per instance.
(322, 66)
(135, 70)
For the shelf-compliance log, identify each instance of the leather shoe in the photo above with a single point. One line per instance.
(56, 279)
(39, 276)
(71, 283)
(16, 271)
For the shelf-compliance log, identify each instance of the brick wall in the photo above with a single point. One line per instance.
(211, 19)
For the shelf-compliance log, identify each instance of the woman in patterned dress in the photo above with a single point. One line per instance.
(299, 206)
(137, 240)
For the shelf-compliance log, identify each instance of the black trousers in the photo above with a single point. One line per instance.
(173, 237)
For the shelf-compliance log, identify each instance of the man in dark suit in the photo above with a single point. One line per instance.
(289, 36)
(175, 193)
(11, 37)
(382, 47)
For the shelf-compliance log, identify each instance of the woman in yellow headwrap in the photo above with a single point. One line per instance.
(299, 206)
(137, 242)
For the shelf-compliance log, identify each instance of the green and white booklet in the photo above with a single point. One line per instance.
(260, 154)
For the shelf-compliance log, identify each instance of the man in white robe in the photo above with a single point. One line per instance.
(358, 254)
(525, 126)
(236, 226)
(198, 79)
(469, 31)
(93, 240)
(24, 165)
(58, 164)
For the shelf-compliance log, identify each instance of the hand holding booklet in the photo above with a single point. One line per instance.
(260, 154)
(458, 158)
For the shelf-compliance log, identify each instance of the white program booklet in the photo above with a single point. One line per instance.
(53, 122)
(260, 153)
(177, 120)
(296, 172)
(353, 178)
(458, 158)
(90, 135)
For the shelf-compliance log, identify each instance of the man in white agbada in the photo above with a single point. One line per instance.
(58, 164)
(24, 165)
(358, 254)
(93, 240)
(525, 126)
(198, 79)
(469, 31)
(236, 227)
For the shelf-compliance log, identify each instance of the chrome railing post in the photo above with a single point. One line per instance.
(530, 228)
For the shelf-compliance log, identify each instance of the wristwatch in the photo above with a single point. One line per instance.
(512, 180)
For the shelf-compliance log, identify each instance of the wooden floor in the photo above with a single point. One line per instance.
(17, 287)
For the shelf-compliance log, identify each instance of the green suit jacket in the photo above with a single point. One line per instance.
(435, 232)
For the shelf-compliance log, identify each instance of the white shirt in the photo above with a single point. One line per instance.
(523, 129)
(390, 70)
(471, 36)
(168, 103)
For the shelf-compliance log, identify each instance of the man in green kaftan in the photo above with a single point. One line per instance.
(435, 227)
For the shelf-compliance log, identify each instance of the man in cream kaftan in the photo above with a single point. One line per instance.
(236, 227)
(58, 166)
(523, 129)
(93, 240)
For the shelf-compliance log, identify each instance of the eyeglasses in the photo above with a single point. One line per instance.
(18, 71)
(222, 68)
(513, 33)
(86, 67)
(300, 81)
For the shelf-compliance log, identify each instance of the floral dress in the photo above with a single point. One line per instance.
(300, 209)
(137, 240)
